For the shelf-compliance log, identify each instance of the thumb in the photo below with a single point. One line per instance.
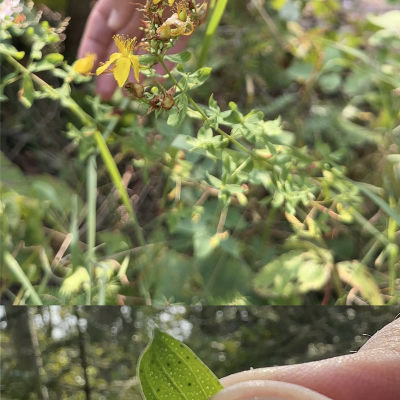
(370, 374)
(121, 12)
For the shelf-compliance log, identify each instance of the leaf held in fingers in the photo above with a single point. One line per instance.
(168, 369)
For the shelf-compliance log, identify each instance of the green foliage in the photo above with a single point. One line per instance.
(169, 368)
(247, 183)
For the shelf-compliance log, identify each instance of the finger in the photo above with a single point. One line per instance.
(265, 390)
(120, 14)
(97, 36)
(387, 338)
(370, 374)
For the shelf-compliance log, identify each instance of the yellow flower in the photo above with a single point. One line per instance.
(84, 65)
(123, 60)
(170, 2)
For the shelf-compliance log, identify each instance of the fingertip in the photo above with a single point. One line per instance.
(114, 21)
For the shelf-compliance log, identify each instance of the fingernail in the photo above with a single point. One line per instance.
(114, 20)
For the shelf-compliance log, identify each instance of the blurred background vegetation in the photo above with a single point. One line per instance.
(45, 356)
(328, 68)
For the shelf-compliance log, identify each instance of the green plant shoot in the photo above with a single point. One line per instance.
(168, 369)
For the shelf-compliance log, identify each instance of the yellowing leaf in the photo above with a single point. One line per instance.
(73, 283)
(357, 275)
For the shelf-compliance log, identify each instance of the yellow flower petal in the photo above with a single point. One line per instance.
(125, 44)
(135, 66)
(84, 65)
(121, 70)
(112, 59)
(190, 30)
(170, 2)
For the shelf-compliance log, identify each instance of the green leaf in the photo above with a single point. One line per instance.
(290, 11)
(148, 59)
(53, 58)
(292, 273)
(300, 71)
(279, 198)
(202, 244)
(214, 181)
(378, 201)
(212, 103)
(181, 69)
(6, 48)
(232, 117)
(18, 272)
(205, 134)
(47, 63)
(330, 83)
(389, 20)
(173, 218)
(60, 73)
(27, 92)
(44, 191)
(176, 117)
(183, 57)
(197, 78)
(234, 188)
(168, 369)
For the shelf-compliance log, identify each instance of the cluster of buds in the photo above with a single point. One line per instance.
(156, 101)
(161, 33)
(163, 101)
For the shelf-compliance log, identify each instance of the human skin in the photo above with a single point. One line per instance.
(370, 374)
(108, 18)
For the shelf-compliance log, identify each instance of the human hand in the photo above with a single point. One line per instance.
(370, 374)
(108, 18)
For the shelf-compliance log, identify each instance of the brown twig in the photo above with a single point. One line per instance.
(82, 349)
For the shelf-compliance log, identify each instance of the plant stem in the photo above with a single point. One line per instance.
(17, 271)
(239, 168)
(202, 113)
(269, 21)
(91, 186)
(116, 177)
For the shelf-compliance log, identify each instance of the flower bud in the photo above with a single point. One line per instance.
(183, 15)
(201, 11)
(135, 88)
(168, 102)
(164, 31)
